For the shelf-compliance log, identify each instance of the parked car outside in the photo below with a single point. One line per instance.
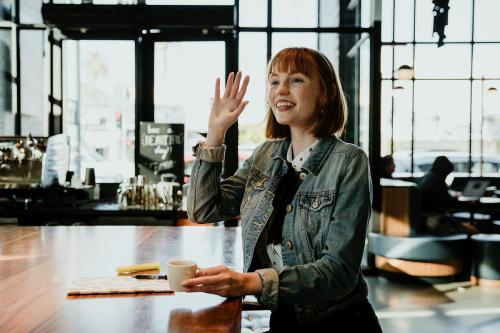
(423, 161)
(106, 171)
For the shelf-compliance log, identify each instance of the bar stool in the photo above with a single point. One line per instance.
(486, 262)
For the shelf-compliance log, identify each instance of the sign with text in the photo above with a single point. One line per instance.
(161, 151)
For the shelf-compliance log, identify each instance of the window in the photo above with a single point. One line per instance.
(252, 13)
(252, 61)
(452, 110)
(295, 13)
(6, 110)
(291, 23)
(187, 99)
(100, 107)
(33, 112)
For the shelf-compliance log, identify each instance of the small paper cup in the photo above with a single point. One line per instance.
(178, 271)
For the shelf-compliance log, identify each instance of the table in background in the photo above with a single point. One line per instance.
(38, 264)
(484, 209)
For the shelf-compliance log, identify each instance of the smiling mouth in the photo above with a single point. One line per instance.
(283, 105)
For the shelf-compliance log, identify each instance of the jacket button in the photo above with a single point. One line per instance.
(259, 183)
(302, 175)
(289, 245)
(315, 204)
(288, 208)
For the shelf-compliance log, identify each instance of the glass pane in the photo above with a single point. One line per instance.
(441, 121)
(476, 117)
(343, 13)
(57, 73)
(253, 13)
(190, 2)
(366, 17)
(295, 13)
(328, 13)
(485, 106)
(403, 55)
(387, 21)
(100, 107)
(486, 22)
(185, 74)
(31, 11)
(329, 45)
(403, 21)
(33, 117)
(485, 59)
(459, 21)
(386, 62)
(252, 61)
(364, 94)
(283, 40)
(6, 12)
(448, 61)
(6, 115)
(401, 100)
(386, 118)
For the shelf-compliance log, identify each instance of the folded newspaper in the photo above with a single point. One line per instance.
(117, 285)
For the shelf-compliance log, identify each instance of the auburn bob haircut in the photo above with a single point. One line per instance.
(331, 115)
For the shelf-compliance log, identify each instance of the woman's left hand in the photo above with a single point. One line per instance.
(223, 281)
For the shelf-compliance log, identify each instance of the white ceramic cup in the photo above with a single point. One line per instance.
(178, 271)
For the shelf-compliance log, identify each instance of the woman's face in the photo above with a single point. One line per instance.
(294, 98)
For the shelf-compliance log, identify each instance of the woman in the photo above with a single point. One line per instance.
(304, 200)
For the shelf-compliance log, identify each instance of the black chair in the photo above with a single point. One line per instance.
(486, 259)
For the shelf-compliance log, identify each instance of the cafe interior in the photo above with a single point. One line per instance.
(101, 102)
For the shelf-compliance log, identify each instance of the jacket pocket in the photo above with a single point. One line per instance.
(315, 211)
(254, 188)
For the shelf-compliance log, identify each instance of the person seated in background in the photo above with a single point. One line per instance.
(387, 166)
(436, 200)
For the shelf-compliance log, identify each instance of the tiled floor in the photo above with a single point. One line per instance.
(455, 308)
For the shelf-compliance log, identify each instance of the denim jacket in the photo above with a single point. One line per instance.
(324, 229)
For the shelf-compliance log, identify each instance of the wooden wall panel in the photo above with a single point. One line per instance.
(395, 215)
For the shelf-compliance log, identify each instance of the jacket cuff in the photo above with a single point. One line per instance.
(270, 286)
(209, 154)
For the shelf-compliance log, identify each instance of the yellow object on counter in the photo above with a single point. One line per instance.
(138, 268)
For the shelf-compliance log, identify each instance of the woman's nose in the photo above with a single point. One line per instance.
(282, 89)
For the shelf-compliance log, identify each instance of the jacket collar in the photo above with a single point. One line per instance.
(318, 156)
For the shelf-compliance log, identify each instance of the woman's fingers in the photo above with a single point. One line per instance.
(212, 270)
(240, 108)
(229, 84)
(217, 279)
(243, 89)
(220, 290)
(236, 85)
(204, 280)
(217, 90)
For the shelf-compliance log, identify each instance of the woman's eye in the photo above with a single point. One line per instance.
(274, 83)
(297, 79)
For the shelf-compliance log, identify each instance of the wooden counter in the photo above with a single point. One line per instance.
(37, 265)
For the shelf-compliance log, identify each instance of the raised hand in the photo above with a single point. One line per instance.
(226, 108)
